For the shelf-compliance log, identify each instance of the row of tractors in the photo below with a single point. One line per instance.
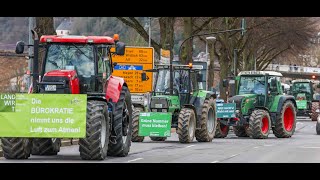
(257, 106)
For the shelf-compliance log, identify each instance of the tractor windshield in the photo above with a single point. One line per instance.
(301, 88)
(180, 81)
(252, 85)
(70, 57)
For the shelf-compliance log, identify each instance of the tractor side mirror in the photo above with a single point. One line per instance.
(144, 76)
(120, 48)
(225, 82)
(20, 47)
(200, 78)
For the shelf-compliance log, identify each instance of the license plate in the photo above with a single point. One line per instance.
(50, 88)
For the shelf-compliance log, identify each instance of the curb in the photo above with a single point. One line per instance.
(70, 142)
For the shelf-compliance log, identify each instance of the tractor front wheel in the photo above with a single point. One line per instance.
(285, 124)
(314, 113)
(46, 146)
(208, 121)
(186, 125)
(135, 122)
(259, 124)
(221, 130)
(95, 145)
(121, 135)
(16, 148)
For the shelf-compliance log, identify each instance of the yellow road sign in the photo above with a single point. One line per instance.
(132, 75)
(131, 65)
(142, 55)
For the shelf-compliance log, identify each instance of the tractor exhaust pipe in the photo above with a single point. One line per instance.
(35, 63)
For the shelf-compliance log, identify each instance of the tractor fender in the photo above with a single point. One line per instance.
(113, 88)
(284, 99)
(191, 106)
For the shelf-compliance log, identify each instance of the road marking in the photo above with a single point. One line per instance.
(189, 146)
(135, 159)
(268, 145)
(310, 147)
(214, 161)
(233, 155)
(256, 147)
(298, 122)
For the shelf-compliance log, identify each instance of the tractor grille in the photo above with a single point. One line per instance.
(155, 103)
(61, 89)
(237, 100)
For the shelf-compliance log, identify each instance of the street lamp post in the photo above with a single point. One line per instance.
(207, 57)
(149, 31)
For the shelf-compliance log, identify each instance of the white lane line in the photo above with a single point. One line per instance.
(256, 147)
(135, 159)
(268, 145)
(214, 161)
(233, 155)
(298, 122)
(189, 146)
(315, 147)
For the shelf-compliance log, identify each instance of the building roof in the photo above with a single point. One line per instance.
(65, 25)
(271, 73)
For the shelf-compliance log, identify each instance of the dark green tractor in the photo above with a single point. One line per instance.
(177, 102)
(259, 107)
(302, 90)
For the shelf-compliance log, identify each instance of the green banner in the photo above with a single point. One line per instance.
(301, 104)
(226, 110)
(43, 115)
(155, 124)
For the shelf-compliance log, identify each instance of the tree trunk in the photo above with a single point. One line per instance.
(187, 50)
(224, 64)
(167, 34)
(211, 66)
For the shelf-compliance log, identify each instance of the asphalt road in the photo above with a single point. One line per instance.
(302, 147)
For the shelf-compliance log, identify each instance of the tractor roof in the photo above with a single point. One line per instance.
(271, 73)
(301, 80)
(77, 39)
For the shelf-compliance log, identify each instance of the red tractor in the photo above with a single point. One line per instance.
(80, 65)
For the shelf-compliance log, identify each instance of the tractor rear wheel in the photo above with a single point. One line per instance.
(240, 131)
(16, 148)
(314, 113)
(208, 121)
(122, 125)
(135, 122)
(259, 124)
(158, 138)
(46, 146)
(95, 145)
(221, 130)
(285, 124)
(318, 128)
(186, 125)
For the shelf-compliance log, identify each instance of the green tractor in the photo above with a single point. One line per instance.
(302, 90)
(177, 102)
(258, 106)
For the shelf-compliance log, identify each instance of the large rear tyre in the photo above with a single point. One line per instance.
(186, 125)
(208, 121)
(122, 125)
(135, 122)
(259, 124)
(314, 113)
(46, 146)
(95, 145)
(158, 138)
(286, 123)
(16, 148)
(240, 131)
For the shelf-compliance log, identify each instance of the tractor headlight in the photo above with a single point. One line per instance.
(154, 110)
(164, 110)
